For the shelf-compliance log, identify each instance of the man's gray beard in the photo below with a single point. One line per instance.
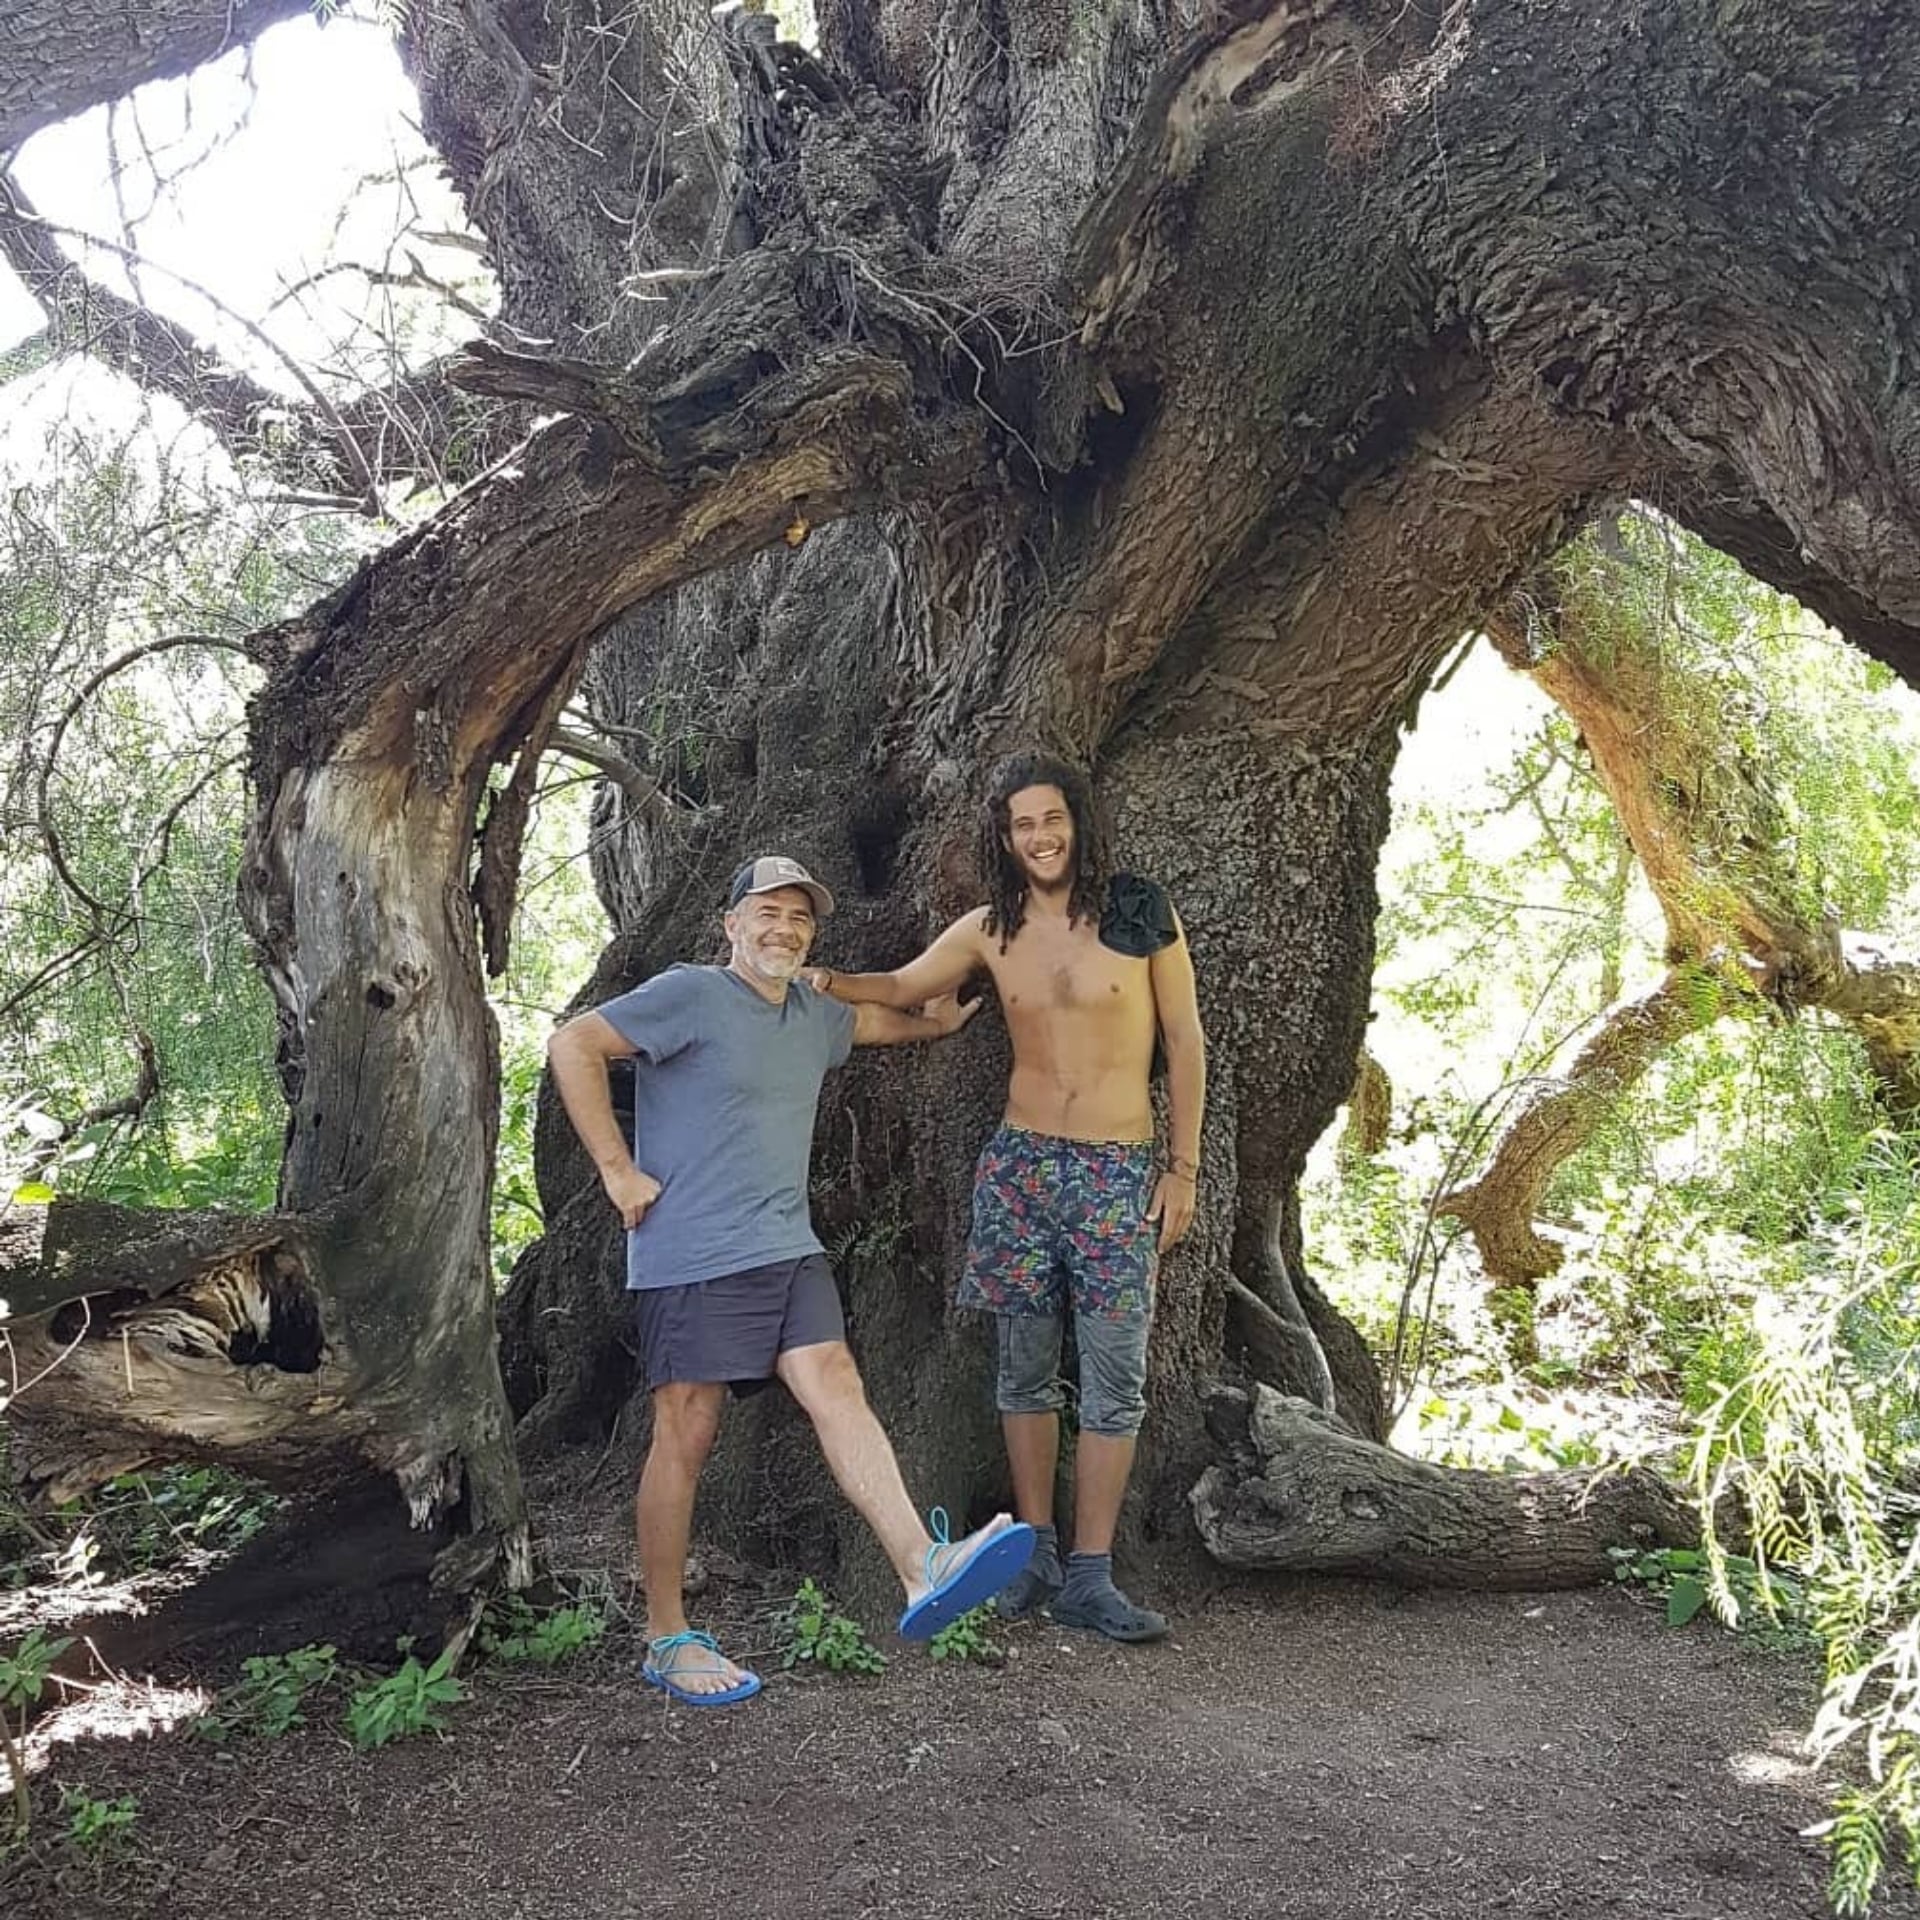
(776, 966)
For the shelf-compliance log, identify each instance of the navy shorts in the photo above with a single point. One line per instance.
(732, 1330)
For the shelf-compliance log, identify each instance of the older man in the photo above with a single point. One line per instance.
(732, 1285)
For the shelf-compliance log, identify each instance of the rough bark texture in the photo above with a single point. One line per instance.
(60, 60)
(1293, 1493)
(1197, 382)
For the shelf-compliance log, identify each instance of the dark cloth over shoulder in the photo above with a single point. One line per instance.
(1138, 920)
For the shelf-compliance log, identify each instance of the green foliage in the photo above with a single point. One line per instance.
(98, 1827)
(271, 1699)
(405, 1703)
(23, 1678)
(816, 1635)
(514, 1629)
(1740, 1237)
(970, 1638)
(1767, 1604)
(105, 545)
(172, 1517)
(558, 931)
(24, 1671)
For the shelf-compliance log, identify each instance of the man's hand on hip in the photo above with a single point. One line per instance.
(631, 1191)
(1172, 1206)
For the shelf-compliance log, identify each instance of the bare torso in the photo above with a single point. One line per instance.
(1082, 1021)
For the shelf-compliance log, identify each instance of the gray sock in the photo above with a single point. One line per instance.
(1089, 1572)
(1037, 1582)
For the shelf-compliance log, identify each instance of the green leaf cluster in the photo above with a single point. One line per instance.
(816, 1635)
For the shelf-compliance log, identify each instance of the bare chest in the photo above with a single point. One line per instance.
(1056, 969)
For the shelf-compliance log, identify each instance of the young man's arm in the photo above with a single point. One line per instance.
(1177, 1009)
(945, 967)
(875, 1026)
(578, 1053)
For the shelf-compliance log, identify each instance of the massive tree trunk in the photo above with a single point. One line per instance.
(1193, 386)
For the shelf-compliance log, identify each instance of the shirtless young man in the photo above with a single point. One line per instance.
(1068, 1210)
(730, 1283)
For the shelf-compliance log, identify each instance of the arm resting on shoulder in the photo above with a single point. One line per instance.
(945, 967)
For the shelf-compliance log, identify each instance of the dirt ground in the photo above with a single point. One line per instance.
(1323, 1750)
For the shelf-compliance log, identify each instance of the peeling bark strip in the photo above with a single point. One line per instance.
(1294, 1495)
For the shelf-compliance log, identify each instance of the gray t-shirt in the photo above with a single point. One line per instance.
(726, 1085)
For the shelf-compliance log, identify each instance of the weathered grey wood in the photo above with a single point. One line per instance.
(1294, 1494)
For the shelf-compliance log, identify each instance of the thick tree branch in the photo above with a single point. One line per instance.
(1499, 1207)
(58, 60)
(1708, 829)
(417, 430)
(1294, 1494)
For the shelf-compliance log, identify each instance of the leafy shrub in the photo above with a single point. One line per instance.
(815, 1634)
(970, 1638)
(271, 1699)
(404, 1703)
(514, 1629)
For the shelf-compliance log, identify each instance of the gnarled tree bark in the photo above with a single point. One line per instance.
(1193, 386)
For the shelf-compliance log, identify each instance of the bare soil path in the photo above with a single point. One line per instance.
(1325, 1751)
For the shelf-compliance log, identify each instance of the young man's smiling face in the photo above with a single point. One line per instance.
(771, 932)
(1040, 837)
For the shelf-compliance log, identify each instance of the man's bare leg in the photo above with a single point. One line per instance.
(824, 1379)
(1033, 1455)
(686, 1417)
(1101, 1466)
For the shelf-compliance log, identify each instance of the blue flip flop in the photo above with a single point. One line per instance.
(662, 1677)
(974, 1581)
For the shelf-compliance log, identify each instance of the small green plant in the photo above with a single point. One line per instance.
(272, 1698)
(515, 1629)
(1758, 1600)
(404, 1703)
(815, 1633)
(969, 1638)
(97, 1826)
(23, 1678)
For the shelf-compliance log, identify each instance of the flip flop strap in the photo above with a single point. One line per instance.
(676, 1644)
(939, 1526)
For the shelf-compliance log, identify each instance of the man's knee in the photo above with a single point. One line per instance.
(1113, 1375)
(686, 1418)
(823, 1377)
(1029, 1375)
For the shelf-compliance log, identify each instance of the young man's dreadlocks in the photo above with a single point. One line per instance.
(1006, 883)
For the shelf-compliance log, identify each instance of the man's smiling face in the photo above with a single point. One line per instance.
(1040, 836)
(771, 932)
